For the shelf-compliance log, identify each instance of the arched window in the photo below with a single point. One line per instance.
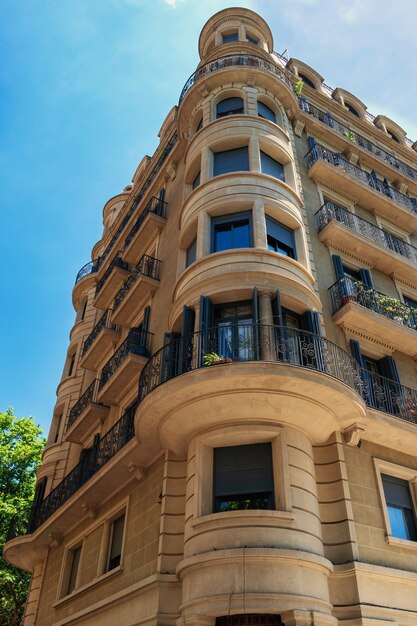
(306, 80)
(229, 106)
(394, 137)
(265, 112)
(351, 109)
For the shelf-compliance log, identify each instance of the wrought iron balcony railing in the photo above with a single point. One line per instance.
(330, 211)
(147, 266)
(93, 459)
(319, 153)
(248, 342)
(356, 138)
(389, 396)
(89, 396)
(248, 60)
(137, 342)
(156, 206)
(103, 322)
(348, 290)
(116, 262)
(88, 268)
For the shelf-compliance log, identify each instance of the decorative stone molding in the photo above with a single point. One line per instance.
(379, 347)
(137, 471)
(353, 434)
(352, 157)
(298, 127)
(347, 253)
(90, 511)
(54, 540)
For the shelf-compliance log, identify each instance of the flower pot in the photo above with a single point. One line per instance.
(346, 299)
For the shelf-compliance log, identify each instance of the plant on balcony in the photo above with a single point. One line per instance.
(298, 87)
(350, 135)
(214, 359)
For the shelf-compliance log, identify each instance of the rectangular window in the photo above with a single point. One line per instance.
(243, 478)
(57, 428)
(74, 556)
(71, 365)
(116, 541)
(230, 37)
(400, 507)
(196, 181)
(252, 40)
(272, 167)
(280, 238)
(191, 253)
(231, 231)
(236, 160)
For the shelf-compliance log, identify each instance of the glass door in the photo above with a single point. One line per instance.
(235, 336)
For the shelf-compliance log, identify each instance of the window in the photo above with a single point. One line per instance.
(116, 542)
(230, 37)
(252, 40)
(71, 365)
(229, 106)
(57, 428)
(394, 137)
(306, 80)
(410, 302)
(280, 238)
(231, 231)
(74, 557)
(351, 273)
(191, 253)
(200, 125)
(400, 507)
(196, 181)
(351, 109)
(243, 478)
(236, 160)
(83, 310)
(234, 323)
(271, 167)
(265, 112)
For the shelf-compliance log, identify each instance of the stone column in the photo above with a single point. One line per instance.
(254, 155)
(259, 225)
(266, 331)
(31, 608)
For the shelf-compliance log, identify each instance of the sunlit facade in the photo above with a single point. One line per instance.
(235, 433)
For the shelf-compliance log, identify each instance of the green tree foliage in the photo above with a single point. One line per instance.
(21, 446)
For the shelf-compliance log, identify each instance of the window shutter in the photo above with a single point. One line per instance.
(276, 309)
(188, 317)
(241, 470)
(280, 232)
(338, 266)
(187, 339)
(355, 349)
(366, 278)
(169, 356)
(272, 167)
(311, 322)
(388, 368)
(146, 316)
(208, 336)
(236, 160)
(311, 142)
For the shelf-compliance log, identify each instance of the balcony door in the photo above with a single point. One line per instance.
(235, 336)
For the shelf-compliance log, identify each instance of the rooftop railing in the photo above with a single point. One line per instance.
(318, 153)
(348, 290)
(332, 212)
(137, 342)
(88, 397)
(147, 266)
(234, 60)
(356, 138)
(92, 460)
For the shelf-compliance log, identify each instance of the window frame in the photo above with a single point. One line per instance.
(230, 218)
(214, 153)
(110, 541)
(405, 473)
(66, 572)
(239, 111)
(293, 248)
(231, 34)
(262, 154)
(273, 121)
(191, 248)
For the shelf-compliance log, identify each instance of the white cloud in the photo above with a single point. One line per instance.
(173, 3)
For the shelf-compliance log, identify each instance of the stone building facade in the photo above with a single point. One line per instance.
(235, 433)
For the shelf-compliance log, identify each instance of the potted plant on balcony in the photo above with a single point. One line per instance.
(298, 87)
(214, 359)
(350, 135)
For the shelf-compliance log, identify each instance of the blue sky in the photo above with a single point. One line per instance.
(85, 86)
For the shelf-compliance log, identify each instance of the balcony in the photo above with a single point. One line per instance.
(93, 460)
(110, 282)
(356, 138)
(123, 368)
(85, 415)
(138, 288)
(384, 251)
(104, 335)
(331, 169)
(149, 223)
(389, 396)
(387, 318)
(89, 272)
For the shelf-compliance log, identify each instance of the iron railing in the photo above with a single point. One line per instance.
(347, 290)
(356, 138)
(389, 396)
(116, 262)
(149, 180)
(88, 397)
(88, 268)
(332, 212)
(319, 153)
(249, 342)
(248, 60)
(103, 322)
(137, 342)
(147, 266)
(92, 460)
(156, 206)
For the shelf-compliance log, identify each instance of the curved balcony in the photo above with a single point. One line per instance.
(243, 189)
(332, 169)
(104, 335)
(356, 305)
(232, 273)
(269, 373)
(356, 139)
(86, 414)
(85, 279)
(383, 250)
